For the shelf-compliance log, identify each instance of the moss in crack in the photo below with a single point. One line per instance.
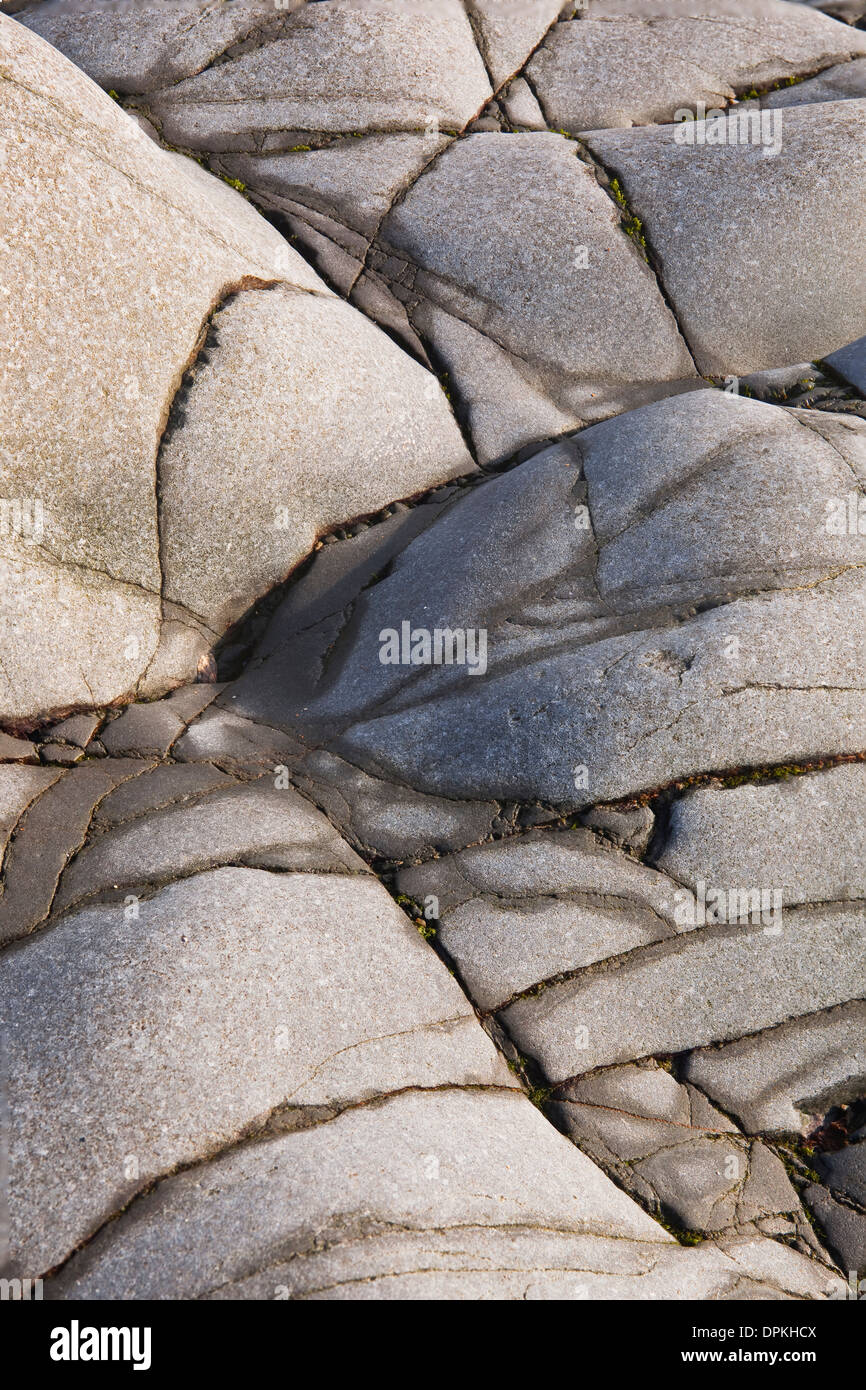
(539, 1095)
(682, 1233)
(426, 928)
(234, 183)
(631, 222)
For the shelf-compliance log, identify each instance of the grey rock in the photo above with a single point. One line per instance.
(253, 824)
(507, 405)
(521, 106)
(157, 787)
(797, 296)
(779, 1081)
(658, 58)
(665, 1144)
(52, 831)
(157, 1041)
(17, 750)
(232, 741)
(143, 729)
(848, 80)
(320, 450)
(845, 1172)
(527, 1266)
(631, 828)
(131, 48)
(189, 702)
(136, 247)
(630, 647)
(61, 753)
(528, 908)
(716, 1185)
(850, 363)
(434, 1167)
(78, 730)
(712, 985)
(339, 68)
(595, 336)
(354, 181)
(850, 10)
(844, 1228)
(19, 786)
(777, 383)
(507, 33)
(386, 820)
(805, 837)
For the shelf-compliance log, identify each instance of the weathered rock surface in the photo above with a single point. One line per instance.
(339, 68)
(793, 278)
(133, 48)
(783, 1079)
(666, 1144)
(136, 249)
(806, 836)
(595, 720)
(126, 1062)
(641, 62)
(489, 1169)
(629, 647)
(594, 337)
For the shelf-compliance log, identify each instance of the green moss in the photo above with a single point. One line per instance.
(298, 149)
(683, 1234)
(539, 1095)
(234, 183)
(630, 221)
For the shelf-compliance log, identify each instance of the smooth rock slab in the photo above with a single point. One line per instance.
(711, 986)
(781, 1080)
(792, 288)
(659, 58)
(128, 47)
(805, 836)
(305, 415)
(341, 67)
(157, 1040)
(628, 646)
(257, 824)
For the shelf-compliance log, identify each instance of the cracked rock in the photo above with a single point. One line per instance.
(630, 647)
(779, 1081)
(327, 996)
(137, 248)
(339, 68)
(643, 61)
(380, 1193)
(585, 347)
(797, 294)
